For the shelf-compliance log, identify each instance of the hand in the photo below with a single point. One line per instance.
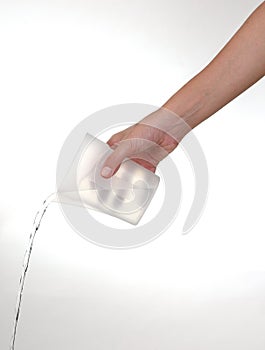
(146, 143)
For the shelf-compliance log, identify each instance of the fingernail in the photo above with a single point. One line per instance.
(106, 171)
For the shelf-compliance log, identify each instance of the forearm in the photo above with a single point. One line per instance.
(238, 65)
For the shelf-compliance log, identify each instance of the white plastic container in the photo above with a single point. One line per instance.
(126, 195)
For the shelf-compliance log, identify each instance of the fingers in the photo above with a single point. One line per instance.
(144, 163)
(116, 138)
(113, 140)
(113, 162)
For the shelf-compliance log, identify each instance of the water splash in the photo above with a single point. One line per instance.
(36, 225)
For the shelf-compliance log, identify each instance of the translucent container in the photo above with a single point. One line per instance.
(126, 195)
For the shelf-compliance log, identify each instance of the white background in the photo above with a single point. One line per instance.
(63, 60)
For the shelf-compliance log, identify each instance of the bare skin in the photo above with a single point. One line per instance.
(239, 65)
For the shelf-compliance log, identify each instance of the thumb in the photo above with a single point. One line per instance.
(114, 160)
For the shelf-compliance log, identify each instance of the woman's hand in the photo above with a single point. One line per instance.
(145, 143)
(237, 66)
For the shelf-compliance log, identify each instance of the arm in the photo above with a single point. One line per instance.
(236, 67)
(240, 64)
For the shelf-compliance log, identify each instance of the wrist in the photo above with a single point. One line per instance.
(183, 118)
